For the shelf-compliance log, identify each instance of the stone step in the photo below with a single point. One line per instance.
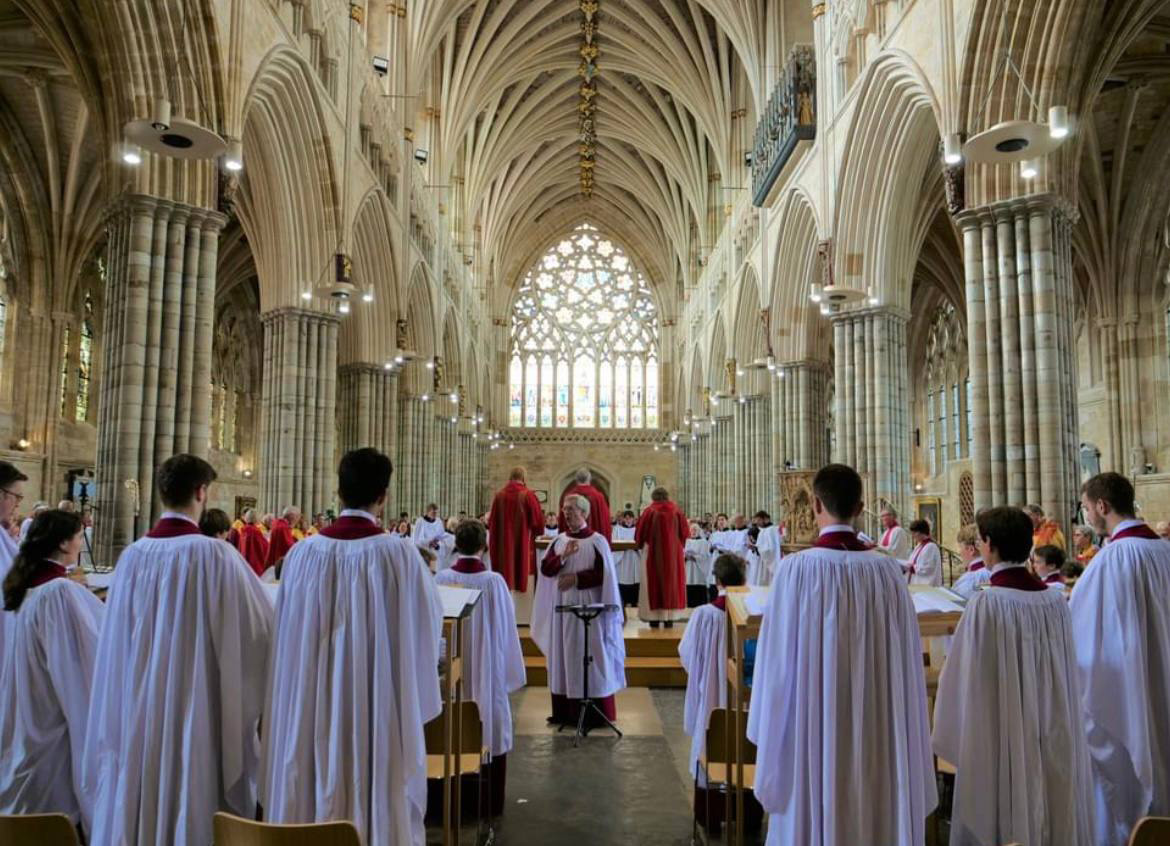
(641, 642)
(640, 672)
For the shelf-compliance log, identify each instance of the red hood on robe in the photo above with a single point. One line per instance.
(254, 547)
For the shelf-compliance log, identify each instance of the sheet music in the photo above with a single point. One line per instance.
(935, 601)
(456, 599)
(99, 581)
(756, 601)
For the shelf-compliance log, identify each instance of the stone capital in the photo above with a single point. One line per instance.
(294, 314)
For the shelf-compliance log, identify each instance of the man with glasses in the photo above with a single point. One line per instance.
(11, 494)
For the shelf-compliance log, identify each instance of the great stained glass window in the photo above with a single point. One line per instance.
(85, 360)
(584, 339)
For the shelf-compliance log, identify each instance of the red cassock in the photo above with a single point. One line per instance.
(254, 547)
(663, 530)
(599, 519)
(280, 541)
(514, 522)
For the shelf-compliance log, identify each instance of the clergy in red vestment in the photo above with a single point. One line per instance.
(662, 534)
(599, 518)
(280, 538)
(253, 544)
(514, 522)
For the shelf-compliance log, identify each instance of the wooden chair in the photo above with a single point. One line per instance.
(1150, 831)
(237, 831)
(472, 758)
(41, 829)
(717, 764)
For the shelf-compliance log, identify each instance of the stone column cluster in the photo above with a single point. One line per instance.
(155, 397)
(753, 483)
(873, 401)
(800, 439)
(367, 403)
(298, 411)
(416, 480)
(1018, 268)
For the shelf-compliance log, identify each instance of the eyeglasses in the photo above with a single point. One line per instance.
(13, 494)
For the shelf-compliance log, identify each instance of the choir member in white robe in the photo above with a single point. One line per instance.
(11, 493)
(1007, 715)
(894, 539)
(721, 537)
(1047, 562)
(428, 529)
(762, 566)
(697, 559)
(703, 652)
(46, 674)
(492, 661)
(839, 651)
(551, 530)
(1121, 615)
(924, 566)
(353, 673)
(165, 750)
(577, 568)
(976, 573)
(446, 553)
(628, 561)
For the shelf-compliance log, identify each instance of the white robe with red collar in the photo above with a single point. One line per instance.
(1008, 717)
(560, 636)
(1121, 616)
(703, 651)
(838, 708)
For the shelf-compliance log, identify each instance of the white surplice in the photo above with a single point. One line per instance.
(1008, 717)
(926, 561)
(353, 679)
(1121, 615)
(729, 540)
(560, 636)
(762, 566)
(425, 532)
(629, 561)
(178, 692)
(839, 705)
(493, 663)
(45, 678)
(445, 555)
(897, 542)
(697, 558)
(8, 549)
(703, 651)
(969, 583)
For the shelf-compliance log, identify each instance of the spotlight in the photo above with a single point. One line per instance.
(1029, 168)
(381, 65)
(873, 300)
(455, 398)
(247, 474)
(131, 155)
(815, 293)
(420, 156)
(952, 149)
(509, 446)
(825, 310)
(23, 444)
(1058, 122)
(398, 359)
(426, 397)
(388, 365)
(656, 447)
(233, 159)
(368, 297)
(781, 374)
(747, 159)
(430, 365)
(306, 295)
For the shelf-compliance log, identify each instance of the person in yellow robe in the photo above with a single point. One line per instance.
(1045, 532)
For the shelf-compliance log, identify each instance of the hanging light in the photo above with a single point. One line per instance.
(131, 154)
(510, 446)
(815, 294)
(1029, 168)
(343, 307)
(368, 297)
(306, 295)
(454, 397)
(873, 300)
(825, 310)
(233, 159)
(1058, 122)
(952, 149)
(388, 365)
(430, 365)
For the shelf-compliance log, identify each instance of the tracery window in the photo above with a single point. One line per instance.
(584, 340)
(948, 392)
(64, 368)
(85, 360)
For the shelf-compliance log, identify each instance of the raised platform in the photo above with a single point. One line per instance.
(651, 656)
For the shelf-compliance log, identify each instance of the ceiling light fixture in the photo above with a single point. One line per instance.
(174, 137)
(306, 295)
(368, 297)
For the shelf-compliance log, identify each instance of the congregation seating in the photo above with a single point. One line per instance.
(42, 829)
(235, 831)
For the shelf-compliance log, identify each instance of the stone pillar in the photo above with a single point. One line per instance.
(1017, 262)
(155, 395)
(297, 450)
(368, 409)
(800, 416)
(871, 394)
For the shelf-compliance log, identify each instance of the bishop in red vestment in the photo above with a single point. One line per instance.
(663, 532)
(280, 539)
(253, 544)
(515, 521)
(599, 517)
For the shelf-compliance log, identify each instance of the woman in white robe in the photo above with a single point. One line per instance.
(976, 573)
(697, 559)
(492, 660)
(925, 564)
(1007, 715)
(46, 673)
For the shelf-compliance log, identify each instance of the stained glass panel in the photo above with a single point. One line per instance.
(651, 394)
(546, 392)
(515, 393)
(621, 389)
(636, 394)
(583, 392)
(530, 384)
(605, 396)
(563, 393)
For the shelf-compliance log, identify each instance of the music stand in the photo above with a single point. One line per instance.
(586, 614)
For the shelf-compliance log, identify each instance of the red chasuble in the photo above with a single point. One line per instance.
(599, 519)
(254, 547)
(514, 522)
(662, 529)
(280, 541)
